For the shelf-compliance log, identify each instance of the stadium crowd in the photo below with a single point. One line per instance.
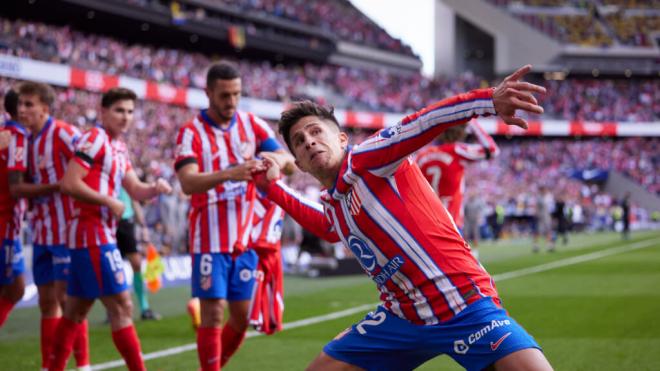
(361, 89)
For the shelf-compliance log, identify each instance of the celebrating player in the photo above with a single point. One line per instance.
(51, 144)
(215, 159)
(13, 159)
(436, 297)
(100, 167)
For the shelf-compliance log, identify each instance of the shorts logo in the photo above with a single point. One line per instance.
(119, 277)
(362, 252)
(495, 345)
(205, 282)
(460, 347)
(245, 275)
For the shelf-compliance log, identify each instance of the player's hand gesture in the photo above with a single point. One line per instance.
(273, 163)
(245, 170)
(512, 94)
(162, 186)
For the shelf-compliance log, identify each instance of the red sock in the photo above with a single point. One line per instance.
(231, 341)
(128, 345)
(66, 334)
(48, 328)
(81, 346)
(208, 348)
(5, 307)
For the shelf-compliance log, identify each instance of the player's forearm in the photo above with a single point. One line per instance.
(201, 182)
(18, 188)
(79, 190)
(141, 191)
(307, 213)
(420, 128)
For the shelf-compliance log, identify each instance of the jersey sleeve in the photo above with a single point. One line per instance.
(487, 148)
(307, 213)
(382, 153)
(89, 148)
(264, 135)
(17, 152)
(185, 148)
(67, 137)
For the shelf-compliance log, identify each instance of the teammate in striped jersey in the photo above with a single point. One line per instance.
(13, 159)
(100, 167)
(443, 165)
(50, 148)
(215, 159)
(436, 298)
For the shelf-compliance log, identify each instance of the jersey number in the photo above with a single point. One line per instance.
(205, 266)
(378, 319)
(435, 172)
(114, 258)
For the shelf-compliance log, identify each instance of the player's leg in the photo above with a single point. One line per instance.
(210, 275)
(240, 293)
(324, 362)
(49, 299)
(68, 329)
(524, 360)
(117, 300)
(120, 309)
(12, 285)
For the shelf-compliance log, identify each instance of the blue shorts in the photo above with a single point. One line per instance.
(477, 337)
(11, 261)
(221, 276)
(96, 271)
(50, 263)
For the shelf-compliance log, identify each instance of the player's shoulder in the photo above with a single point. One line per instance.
(14, 128)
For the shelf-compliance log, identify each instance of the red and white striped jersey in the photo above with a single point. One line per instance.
(221, 218)
(50, 152)
(267, 227)
(13, 157)
(444, 167)
(108, 162)
(384, 210)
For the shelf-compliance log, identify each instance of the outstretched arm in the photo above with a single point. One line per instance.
(382, 153)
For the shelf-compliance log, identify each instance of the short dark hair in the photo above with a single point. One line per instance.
(221, 71)
(11, 103)
(302, 109)
(116, 94)
(45, 92)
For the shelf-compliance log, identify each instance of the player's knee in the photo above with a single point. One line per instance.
(49, 305)
(15, 292)
(212, 313)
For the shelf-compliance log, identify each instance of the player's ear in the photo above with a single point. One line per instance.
(343, 140)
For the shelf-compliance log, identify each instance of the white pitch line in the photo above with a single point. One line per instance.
(347, 312)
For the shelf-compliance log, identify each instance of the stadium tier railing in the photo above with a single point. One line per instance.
(66, 76)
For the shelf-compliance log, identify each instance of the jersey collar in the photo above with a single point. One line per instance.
(208, 120)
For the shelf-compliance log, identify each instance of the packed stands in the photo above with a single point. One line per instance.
(355, 88)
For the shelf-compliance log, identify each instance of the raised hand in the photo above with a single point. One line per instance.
(512, 94)
(162, 186)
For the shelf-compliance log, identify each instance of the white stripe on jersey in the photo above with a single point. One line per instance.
(416, 253)
(232, 223)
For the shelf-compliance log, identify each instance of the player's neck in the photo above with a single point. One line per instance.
(36, 129)
(220, 121)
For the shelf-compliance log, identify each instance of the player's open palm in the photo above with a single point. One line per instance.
(513, 94)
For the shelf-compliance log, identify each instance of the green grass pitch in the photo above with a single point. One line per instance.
(598, 314)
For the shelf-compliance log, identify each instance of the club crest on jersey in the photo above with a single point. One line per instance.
(119, 277)
(354, 202)
(389, 133)
(246, 150)
(362, 252)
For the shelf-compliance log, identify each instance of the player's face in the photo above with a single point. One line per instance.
(318, 146)
(118, 117)
(32, 112)
(223, 98)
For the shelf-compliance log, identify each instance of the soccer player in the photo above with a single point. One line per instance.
(13, 159)
(436, 297)
(443, 164)
(545, 204)
(128, 247)
(51, 143)
(100, 167)
(215, 159)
